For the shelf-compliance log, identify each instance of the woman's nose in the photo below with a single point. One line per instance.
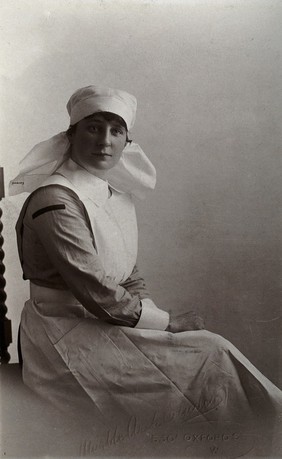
(105, 137)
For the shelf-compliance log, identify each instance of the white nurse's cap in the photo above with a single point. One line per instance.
(92, 99)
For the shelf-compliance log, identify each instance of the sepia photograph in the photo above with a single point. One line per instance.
(140, 229)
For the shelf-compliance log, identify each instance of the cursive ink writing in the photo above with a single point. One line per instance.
(158, 419)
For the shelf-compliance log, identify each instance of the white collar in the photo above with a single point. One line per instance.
(89, 185)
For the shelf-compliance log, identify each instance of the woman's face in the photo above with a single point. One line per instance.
(97, 144)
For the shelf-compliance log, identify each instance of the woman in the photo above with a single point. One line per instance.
(90, 331)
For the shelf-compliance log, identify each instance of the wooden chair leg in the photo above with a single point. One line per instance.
(20, 357)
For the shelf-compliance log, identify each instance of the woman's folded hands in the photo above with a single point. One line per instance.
(185, 322)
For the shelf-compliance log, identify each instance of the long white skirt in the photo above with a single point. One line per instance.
(191, 392)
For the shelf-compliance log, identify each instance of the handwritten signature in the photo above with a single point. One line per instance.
(158, 419)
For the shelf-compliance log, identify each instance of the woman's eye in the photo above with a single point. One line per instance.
(93, 128)
(117, 131)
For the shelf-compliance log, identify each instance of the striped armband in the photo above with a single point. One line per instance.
(48, 209)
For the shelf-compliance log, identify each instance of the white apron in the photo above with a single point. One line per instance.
(142, 385)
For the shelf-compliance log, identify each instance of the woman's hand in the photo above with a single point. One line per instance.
(185, 322)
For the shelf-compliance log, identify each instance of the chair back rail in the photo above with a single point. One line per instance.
(5, 323)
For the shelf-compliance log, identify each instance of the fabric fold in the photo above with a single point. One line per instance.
(134, 173)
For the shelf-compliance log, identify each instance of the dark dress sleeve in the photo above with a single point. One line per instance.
(136, 285)
(60, 233)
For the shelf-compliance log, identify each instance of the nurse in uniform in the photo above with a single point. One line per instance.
(93, 340)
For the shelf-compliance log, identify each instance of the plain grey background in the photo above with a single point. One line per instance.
(207, 77)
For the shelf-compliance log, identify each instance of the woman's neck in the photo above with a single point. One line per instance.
(101, 174)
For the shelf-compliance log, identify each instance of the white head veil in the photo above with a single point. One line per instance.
(134, 172)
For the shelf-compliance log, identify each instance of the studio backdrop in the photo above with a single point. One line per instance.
(207, 77)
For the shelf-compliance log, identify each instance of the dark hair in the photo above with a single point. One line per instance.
(108, 116)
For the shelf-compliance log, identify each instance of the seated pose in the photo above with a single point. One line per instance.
(92, 339)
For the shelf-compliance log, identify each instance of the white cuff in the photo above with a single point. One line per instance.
(152, 317)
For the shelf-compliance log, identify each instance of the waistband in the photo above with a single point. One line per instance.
(50, 295)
